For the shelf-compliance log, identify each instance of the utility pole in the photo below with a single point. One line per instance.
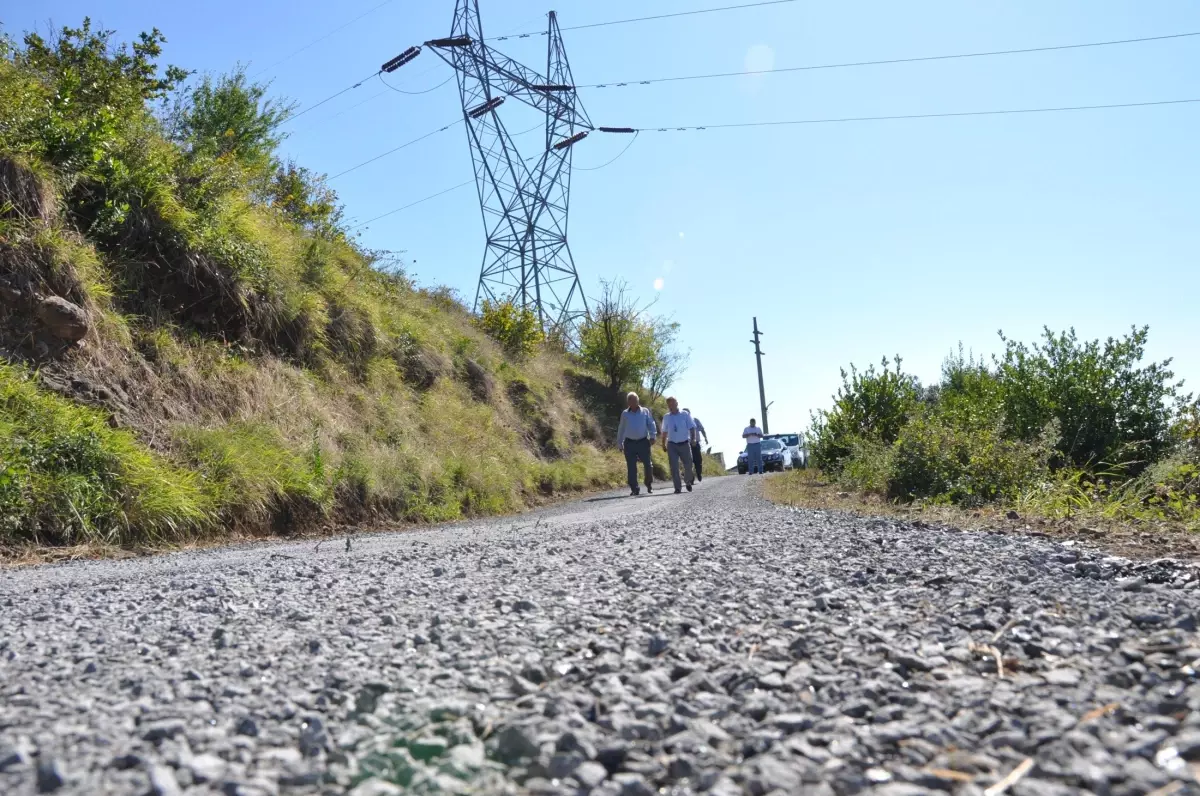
(762, 394)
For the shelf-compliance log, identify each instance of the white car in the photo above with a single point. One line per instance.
(794, 443)
(775, 456)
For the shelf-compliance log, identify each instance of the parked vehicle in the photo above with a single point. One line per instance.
(795, 444)
(775, 456)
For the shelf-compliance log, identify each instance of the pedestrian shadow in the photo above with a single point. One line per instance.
(623, 497)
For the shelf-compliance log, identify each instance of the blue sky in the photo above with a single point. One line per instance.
(847, 241)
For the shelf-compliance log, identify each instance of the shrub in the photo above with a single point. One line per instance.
(870, 405)
(935, 459)
(515, 328)
(1112, 409)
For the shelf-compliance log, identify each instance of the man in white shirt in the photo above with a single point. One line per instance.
(677, 433)
(697, 454)
(753, 436)
(635, 435)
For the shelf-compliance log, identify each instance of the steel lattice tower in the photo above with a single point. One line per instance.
(525, 202)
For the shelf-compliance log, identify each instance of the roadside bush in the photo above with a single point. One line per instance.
(1113, 410)
(938, 460)
(869, 467)
(871, 405)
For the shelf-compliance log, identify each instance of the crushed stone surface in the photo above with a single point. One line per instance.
(702, 643)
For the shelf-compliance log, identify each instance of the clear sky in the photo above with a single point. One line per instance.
(847, 241)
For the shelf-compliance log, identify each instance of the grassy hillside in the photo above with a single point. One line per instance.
(192, 344)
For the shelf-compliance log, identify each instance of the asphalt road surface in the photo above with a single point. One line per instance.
(708, 642)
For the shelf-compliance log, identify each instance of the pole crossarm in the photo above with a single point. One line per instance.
(511, 78)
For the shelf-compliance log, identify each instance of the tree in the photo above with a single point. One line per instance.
(230, 116)
(616, 338)
(669, 362)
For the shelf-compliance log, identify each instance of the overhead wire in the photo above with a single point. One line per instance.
(839, 120)
(650, 18)
(413, 204)
(904, 117)
(419, 139)
(614, 160)
(413, 93)
(330, 98)
(405, 145)
(888, 61)
(320, 39)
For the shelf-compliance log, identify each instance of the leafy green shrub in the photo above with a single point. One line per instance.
(67, 477)
(515, 328)
(1112, 410)
(870, 405)
(938, 460)
(869, 467)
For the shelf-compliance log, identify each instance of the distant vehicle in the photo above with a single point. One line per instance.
(775, 456)
(795, 444)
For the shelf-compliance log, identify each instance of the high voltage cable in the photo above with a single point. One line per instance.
(320, 39)
(843, 119)
(818, 121)
(917, 59)
(647, 19)
(614, 160)
(430, 134)
(313, 107)
(414, 93)
(397, 149)
(413, 204)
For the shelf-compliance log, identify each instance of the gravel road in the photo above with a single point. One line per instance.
(708, 642)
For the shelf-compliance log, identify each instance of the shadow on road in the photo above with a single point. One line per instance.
(624, 497)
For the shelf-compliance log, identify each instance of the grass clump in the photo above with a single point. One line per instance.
(66, 477)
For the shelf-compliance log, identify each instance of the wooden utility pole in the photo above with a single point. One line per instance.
(762, 395)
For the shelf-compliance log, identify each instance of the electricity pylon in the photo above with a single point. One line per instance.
(525, 202)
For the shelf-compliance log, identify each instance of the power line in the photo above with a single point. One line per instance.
(331, 97)
(917, 59)
(614, 160)
(320, 39)
(647, 19)
(952, 115)
(397, 149)
(819, 121)
(537, 126)
(413, 93)
(414, 204)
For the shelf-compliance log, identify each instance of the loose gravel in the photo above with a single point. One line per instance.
(708, 642)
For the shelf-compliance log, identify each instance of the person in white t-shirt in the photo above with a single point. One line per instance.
(753, 436)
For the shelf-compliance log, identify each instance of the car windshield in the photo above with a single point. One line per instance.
(790, 439)
(771, 445)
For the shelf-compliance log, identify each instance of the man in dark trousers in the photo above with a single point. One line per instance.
(697, 454)
(677, 434)
(635, 435)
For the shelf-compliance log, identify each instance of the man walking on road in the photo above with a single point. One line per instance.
(635, 435)
(753, 436)
(697, 454)
(678, 430)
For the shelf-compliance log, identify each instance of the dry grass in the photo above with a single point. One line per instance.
(809, 489)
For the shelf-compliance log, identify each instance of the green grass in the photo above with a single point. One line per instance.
(66, 477)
